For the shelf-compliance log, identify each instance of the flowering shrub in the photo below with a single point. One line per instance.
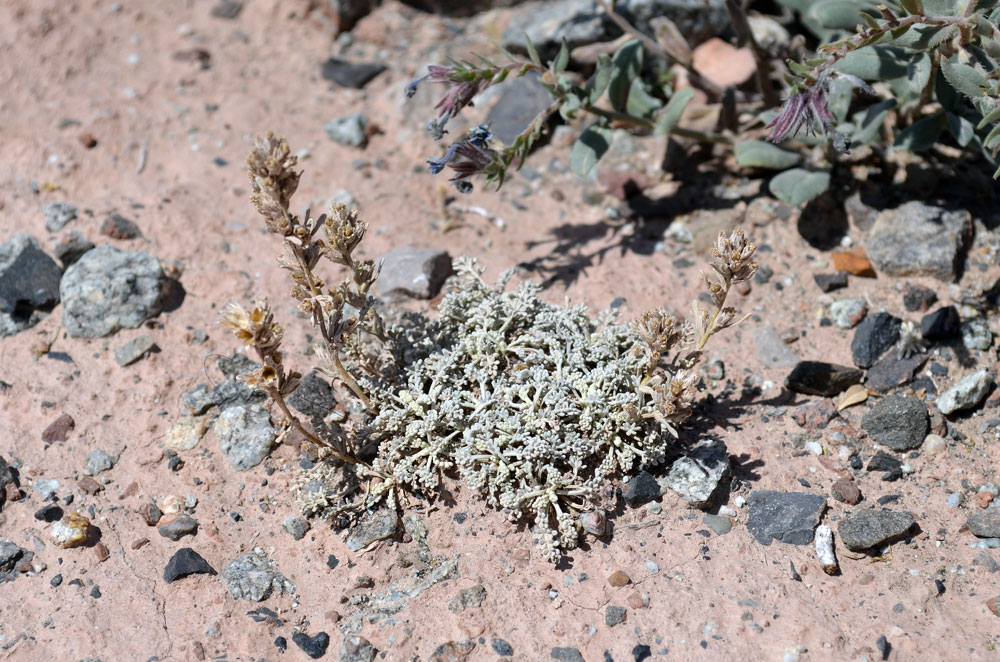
(534, 406)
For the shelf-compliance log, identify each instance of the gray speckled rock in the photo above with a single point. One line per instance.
(846, 313)
(99, 461)
(917, 239)
(245, 435)
(57, 215)
(966, 394)
(696, 475)
(790, 517)
(872, 528)
(110, 289)
(897, 422)
(29, 284)
(413, 272)
(985, 523)
(348, 130)
(379, 525)
(254, 577)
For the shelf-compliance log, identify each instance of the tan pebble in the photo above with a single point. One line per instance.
(186, 433)
(333, 615)
(635, 600)
(934, 444)
(140, 542)
(172, 504)
(618, 579)
(71, 531)
(101, 550)
(866, 578)
(89, 485)
(983, 499)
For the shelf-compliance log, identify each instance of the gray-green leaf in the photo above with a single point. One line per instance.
(626, 65)
(640, 103)
(960, 127)
(922, 134)
(875, 63)
(798, 186)
(588, 149)
(760, 154)
(598, 83)
(672, 112)
(964, 78)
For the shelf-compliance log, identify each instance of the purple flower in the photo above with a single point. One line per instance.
(463, 87)
(466, 158)
(809, 107)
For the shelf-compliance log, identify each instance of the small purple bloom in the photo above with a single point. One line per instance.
(810, 107)
(437, 165)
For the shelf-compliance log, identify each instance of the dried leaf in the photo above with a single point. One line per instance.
(854, 395)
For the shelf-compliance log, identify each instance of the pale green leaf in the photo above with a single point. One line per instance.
(760, 154)
(798, 186)
(639, 102)
(532, 53)
(922, 134)
(964, 78)
(588, 149)
(960, 128)
(626, 65)
(562, 59)
(598, 83)
(671, 114)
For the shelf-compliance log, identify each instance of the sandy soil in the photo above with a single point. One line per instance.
(114, 70)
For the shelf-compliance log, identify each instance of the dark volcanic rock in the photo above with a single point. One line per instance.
(985, 523)
(184, 562)
(819, 378)
(642, 488)
(891, 371)
(897, 422)
(315, 647)
(917, 239)
(942, 324)
(831, 282)
(350, 74)
(790, 517)
(919, 299)
(876, 333)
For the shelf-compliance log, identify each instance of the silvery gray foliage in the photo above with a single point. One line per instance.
(534, 405)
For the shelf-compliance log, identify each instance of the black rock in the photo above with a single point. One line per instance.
(884, 647)
(831, 282)
(891, 371)
(876, 333)
(184, 562)
(641, 652)
(566, 654)
(332, 561)
(49, 513)
(883, 461)
(281, 643)
(56, 581)
(10, 554)
(790, 517)
(889, 498)
(95, 592)
(642, 488)
(350, 74)
(819, 378)
(29, 279)
(313, 397)
(501, 647)
(942, 324)
(897, 422)
(315, 647)
(872, 528)
(918, 299)
(520, 102)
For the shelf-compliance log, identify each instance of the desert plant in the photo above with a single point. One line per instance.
(534, 405)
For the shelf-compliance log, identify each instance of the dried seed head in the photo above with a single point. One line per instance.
(731, 256)
(658, 329)
(273, 180)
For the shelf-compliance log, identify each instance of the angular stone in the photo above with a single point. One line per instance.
(819, 378)
(29, 284)
(897, 422)
(966, 394)
(520, 102)
(350, 74)
(184, 562)
(375, 526)
(313, 397)
(892, 370)
(452, 651)
(815, 415)
(355, 648)
(99, 461)
(58, 214)
(846, 491)
(566, 654)
(349, 130)
(771, 351)
(854, 262)
(848, 313)
(831, 282)
(117, 226)
(696, 475)
(883, 461)
(976, 334)
(917, 239)
(296, 527)
(72, 531)
(134, 350)
(919, 299)
(59, 429)
(110, 289)
(789, 517)
(71, 246)
(872, 528)
(315, 646)
(185, 433)
(413, 272)
(613, 615)
(942, 324)
(467, 598)
(873, 336)
(253, 576)
(245, 435)
(985, 523)
(179, 526)
(641, 488)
